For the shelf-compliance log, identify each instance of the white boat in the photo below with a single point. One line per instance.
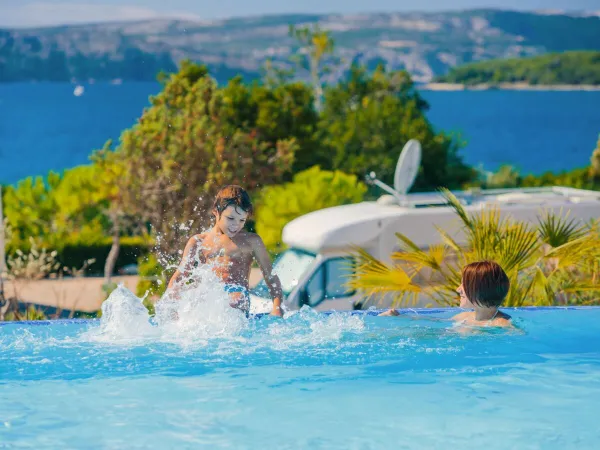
(313, 270)
(78, 91)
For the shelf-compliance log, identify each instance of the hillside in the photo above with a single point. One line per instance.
(569, 68)
(426, 44)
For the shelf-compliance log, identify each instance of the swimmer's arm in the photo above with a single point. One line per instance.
(394, 313)
(187, 262)
(504, 323)
(460, 316)
(264, 262)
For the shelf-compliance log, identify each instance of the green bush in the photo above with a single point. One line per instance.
(153, 278)
(30, 313)
(310, 190)
(73, 255)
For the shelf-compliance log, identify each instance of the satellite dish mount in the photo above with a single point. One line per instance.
(407, 169)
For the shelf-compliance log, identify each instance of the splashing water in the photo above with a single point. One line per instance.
(200, 312)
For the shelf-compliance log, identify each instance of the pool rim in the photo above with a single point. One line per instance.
(365, 312)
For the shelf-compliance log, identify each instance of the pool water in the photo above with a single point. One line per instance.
(214, 379)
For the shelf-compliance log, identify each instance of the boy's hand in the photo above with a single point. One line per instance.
(277, 311)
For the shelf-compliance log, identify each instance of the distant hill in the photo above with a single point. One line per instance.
(569, 68)
(426, 44)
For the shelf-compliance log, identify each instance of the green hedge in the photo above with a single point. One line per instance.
(74, 254)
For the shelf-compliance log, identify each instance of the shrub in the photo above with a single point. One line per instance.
(310, 190)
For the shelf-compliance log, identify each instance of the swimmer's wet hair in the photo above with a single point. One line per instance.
(232, 195)
(485, 283)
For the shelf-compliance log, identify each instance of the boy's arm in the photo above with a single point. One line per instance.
(460, 316)
(187, 262)
(264, 262)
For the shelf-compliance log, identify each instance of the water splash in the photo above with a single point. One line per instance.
(198, 312)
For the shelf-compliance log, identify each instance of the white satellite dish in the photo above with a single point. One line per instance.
(407, 167)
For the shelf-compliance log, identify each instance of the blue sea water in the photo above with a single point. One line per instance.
(44, 126)
(310, 380)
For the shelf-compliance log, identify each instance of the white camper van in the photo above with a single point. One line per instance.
(314, 269)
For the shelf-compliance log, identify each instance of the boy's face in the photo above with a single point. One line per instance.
(464, 300)
(232, 220)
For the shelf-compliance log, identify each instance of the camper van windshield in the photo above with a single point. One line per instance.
(289, 266)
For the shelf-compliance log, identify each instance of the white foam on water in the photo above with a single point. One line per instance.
(200, 312)
(307, 327)
(193, 314)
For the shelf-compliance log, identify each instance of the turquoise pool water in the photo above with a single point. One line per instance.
(337, 381)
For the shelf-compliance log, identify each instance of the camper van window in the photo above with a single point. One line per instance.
(315, 291)
(329, 281)
(337, 271)
(290, 266)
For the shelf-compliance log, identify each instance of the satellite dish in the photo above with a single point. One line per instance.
(407, 167)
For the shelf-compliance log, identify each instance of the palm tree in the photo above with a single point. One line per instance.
(556, 262)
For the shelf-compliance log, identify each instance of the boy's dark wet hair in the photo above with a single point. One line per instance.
(485, 283)
(232, 195)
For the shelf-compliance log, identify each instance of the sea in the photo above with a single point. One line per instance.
(45, 126)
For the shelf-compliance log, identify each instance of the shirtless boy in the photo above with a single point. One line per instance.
(230, 250)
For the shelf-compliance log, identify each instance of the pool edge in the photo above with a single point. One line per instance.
(367, 312)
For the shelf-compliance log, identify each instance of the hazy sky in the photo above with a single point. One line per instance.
(20, 13)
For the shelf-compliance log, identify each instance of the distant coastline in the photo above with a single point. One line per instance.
(566, 71)
(508, 87)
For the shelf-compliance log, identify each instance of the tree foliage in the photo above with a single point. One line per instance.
(368, 118)
(594, 171)
(508, 177)
(575, 67)
(194, 138)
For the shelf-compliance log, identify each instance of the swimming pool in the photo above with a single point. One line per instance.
(347, 381)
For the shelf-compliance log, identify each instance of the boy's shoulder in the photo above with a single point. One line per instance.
(503, 320)
(197, 238)
(462, 316)
(251, 238)
(503, 315)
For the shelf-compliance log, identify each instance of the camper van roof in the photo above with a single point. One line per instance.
(536, 196)
(334, 227)
(361, 223)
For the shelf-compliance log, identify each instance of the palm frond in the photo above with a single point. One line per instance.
(579, 253)
(433, 258)
(448, 240)
(376, 279)
(485, 236)
(408, 244)
(444, 295)
(457, 206)
(519, 290)
(518, 245)
(542, 289)
(558, 229)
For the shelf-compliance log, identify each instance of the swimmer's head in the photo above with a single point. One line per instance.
(231, 209)
(484, 284)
